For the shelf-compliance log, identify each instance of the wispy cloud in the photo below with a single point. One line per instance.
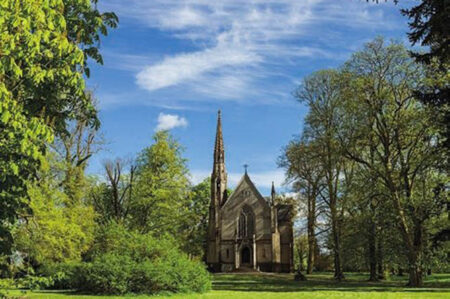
(186, 67)
(170, 121)
(240, 42)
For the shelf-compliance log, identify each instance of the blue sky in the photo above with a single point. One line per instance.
(173, 64)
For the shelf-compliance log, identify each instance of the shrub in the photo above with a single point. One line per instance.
(172, 273)
(108, 274)
(122, 262)
(65, 275)
(7, 283)
(36, 282)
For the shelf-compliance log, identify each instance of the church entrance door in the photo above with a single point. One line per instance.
(245, 256)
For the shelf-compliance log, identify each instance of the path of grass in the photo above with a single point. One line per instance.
(320, 285)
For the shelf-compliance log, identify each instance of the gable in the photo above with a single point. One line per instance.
(245, 189)
(245, 196)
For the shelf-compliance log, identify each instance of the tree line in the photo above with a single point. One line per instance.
(369, 165)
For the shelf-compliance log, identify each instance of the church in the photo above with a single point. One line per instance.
(246, 231)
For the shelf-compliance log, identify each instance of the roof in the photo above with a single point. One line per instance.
(246, 179)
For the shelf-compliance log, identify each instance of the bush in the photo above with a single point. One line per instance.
(36, 282)
(172, 273)
(65, 275)
(108, 274)
(127, 262)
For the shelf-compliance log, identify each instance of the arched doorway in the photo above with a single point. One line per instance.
(245, 256)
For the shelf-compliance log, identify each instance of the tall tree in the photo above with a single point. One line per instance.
(385, 77)
(41, 85)
(304, 171)
(321, 92)
(161, 199)
(32, 32)
(429, 27)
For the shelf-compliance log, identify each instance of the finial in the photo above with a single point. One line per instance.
(219, 112)
(245, 167)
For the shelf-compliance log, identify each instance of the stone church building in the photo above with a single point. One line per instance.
(246, 231)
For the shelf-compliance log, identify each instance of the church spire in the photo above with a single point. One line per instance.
(219, 151)
(218, 198)
(219, 175)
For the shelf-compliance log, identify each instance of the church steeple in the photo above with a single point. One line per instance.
(219, 175)
(219, 150)
(218, 198)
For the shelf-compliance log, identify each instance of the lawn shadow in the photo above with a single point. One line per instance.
(270, 282)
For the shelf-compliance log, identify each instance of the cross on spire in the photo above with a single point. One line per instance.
(245, 167)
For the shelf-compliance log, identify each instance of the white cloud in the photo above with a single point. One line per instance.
(170, 121)
(239, 38)
(182, 18)
(239, 42)
(185, 67)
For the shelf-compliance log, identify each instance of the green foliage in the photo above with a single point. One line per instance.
(38, 62)
(196, 225)
(41, 87)
(99, 196)
(86, 24)
(429, 26)
(160, 203)
(57, 230)
(36, 282)
(108, 273)
(66, 275)
(21, 143)
(122, 261)
(378, 149)
(428, 23)
(7, 283)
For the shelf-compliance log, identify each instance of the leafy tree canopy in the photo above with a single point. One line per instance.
(42, 63)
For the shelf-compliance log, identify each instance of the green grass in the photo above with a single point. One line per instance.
(319, 285)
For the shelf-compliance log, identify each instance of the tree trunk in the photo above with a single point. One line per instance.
(372, 252)
(415, 257)
(311, 233)
(373, 225)
(311, 251)
(338, 274)
(380, 259)
(415, 276)
(413, 243)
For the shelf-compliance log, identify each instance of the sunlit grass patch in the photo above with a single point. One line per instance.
(269, 285)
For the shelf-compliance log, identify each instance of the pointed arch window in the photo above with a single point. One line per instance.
(246, 223)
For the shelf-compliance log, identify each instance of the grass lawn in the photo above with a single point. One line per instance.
(319, 285)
